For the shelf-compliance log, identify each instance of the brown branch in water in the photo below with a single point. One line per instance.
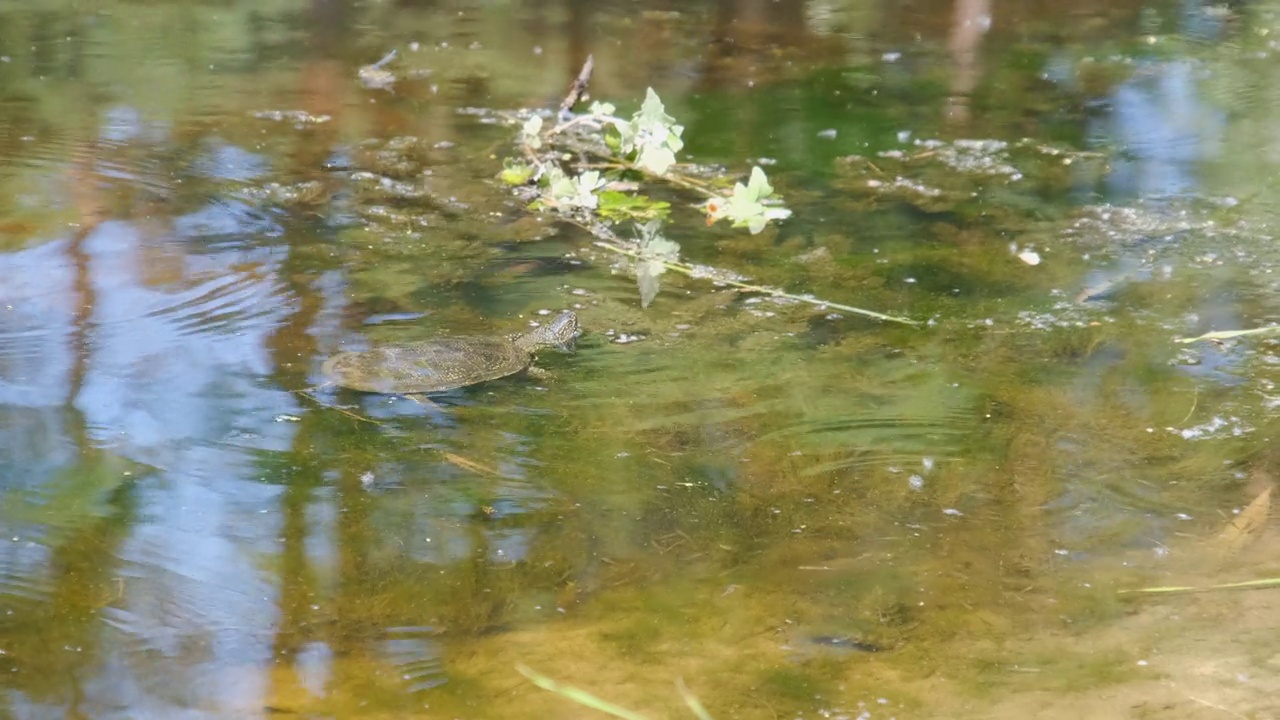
(579, 86)
(306, 392)
(568, 124)
(472, 465)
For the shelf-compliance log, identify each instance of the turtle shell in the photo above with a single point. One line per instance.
(428, 366)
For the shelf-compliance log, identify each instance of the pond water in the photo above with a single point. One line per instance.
(796, 511)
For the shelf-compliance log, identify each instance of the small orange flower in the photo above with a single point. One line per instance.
(715, 210)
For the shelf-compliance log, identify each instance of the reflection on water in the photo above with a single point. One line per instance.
(796, 511)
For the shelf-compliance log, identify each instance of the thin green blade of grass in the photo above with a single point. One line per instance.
(581, 697)
(692, 701)
(1175, 589)
(1227, 334)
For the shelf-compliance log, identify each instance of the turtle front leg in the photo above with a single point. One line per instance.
(538, 373)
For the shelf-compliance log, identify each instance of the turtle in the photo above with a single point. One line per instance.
(446, 363)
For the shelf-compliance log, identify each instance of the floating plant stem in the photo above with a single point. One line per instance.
(1183, 589)
(582, 697)
(694, 272)
(1228, 334)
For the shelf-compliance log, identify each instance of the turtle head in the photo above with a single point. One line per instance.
(558, 333)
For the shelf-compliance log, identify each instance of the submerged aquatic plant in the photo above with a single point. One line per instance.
(586, 699)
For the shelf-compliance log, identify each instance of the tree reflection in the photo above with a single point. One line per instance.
(263, 551)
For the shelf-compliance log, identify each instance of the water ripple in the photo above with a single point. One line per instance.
(221, 304)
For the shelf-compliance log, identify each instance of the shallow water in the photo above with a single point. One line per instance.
(798, 512)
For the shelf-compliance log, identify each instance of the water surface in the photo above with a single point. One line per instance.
(798, 512)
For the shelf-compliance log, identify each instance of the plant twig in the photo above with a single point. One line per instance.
(307, 394)
(469, 464)
(385, 59)
(579, 86)
(579, 120)
(1195, 400)
(1182, 589)
(1228, 711)
(691, 271)
(1228, 334)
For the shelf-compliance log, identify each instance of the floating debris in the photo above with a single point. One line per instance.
(400, 189)
(376, 76)
(298, 117)
(312, 192)
(1216, 427)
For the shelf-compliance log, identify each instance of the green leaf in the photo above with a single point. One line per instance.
(655, 252)
(745, 205)
(569, 193)
(618, 206)
(560, 187)
(613, 138)
(585, 187)
(652, 135)
(602, 108)
(652, 111)
(515, 172)
(590, 180)
(656, 160)
(626, 136)
(647, 272)
(758, 186)
(530, 132)
(742, 205)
